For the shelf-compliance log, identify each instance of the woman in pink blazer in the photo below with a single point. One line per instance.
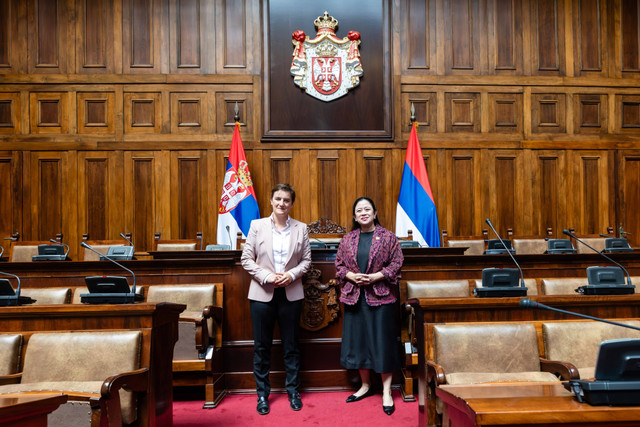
(276, 254)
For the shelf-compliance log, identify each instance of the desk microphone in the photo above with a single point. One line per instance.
(508, 251)
(229, 235)
(570, 234)
(324, 245)
(528, 303)
(8, 300)
(63, 244)
(126, 238)
(133, 288)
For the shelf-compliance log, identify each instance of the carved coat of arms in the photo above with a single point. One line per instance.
(326, 67)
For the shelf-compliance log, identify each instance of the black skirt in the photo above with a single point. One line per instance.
(370, 337)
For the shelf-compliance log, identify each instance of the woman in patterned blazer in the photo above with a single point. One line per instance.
(368, 266)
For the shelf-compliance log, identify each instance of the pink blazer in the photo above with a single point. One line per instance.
(257, 259)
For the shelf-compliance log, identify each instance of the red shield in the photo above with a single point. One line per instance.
(327, 74)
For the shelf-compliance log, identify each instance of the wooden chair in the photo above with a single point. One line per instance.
(197, 356)
(531, 244)
(476, 244)
(10, 353)
(101, 246)
(562, 286)
(99, 371)
(422, 289)
(531, 284)
(23, 251)
(578, 342)
(596, 241)
(48, 296)
(177, 245)
(500, 352)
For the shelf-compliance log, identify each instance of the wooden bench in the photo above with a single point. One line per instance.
(197, 357)
(92, 369)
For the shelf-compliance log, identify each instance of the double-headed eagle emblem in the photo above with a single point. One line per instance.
(326, 67)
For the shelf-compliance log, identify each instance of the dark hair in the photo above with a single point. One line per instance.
(284, 187)
(354, 223)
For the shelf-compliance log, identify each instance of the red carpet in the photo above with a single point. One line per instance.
(320, 409)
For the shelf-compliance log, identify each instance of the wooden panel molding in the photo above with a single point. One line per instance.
(96, 112)
(49, 112)
(10, 117)
(591, 113)
(630, 35)
(548, 113)
(226, 106)
(142, 112)
(425, 110)
(628, 114)
(548, 42)
(462, 112)
(95, 41)
(189, 113)
(505, 112)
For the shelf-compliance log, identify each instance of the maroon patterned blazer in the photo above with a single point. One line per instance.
(385, 256)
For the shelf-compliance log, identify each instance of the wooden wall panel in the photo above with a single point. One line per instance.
(419, 27)
(629, 192)
(10, 109)
(589, 21)
(462, 195)
(461, 20)
(12, 36)
(94, 39)
(549, 190)
(235, 23)
(147, 206)
(504, 33)
(10, 196)
(50, 182)
(630, 35)
(50, 36)
(101, 195)
(189, 192)
(506, 202)
(548, 24)
(143, 37)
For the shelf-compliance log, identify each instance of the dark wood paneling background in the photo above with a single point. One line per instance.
(116, 116)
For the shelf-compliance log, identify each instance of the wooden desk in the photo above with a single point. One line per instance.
(518, 404)
(429, 311)
(158, 323)
(29, 410)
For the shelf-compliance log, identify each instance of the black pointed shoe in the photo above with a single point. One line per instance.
(354, 398)
(295, 402)
(389, 409)
(263, 405)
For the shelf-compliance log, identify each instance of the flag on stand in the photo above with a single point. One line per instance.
(416, 209)
(238, 203)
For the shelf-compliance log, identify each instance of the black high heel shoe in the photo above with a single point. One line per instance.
(389, 409)
(354, 398)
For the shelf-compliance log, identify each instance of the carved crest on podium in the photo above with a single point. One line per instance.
(320, 305)
(326, 67)
(325, 226)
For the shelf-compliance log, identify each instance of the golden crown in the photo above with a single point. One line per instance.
(326, 49)
(326, 21)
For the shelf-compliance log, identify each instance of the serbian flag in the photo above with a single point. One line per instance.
(238, 203)
(416, 209)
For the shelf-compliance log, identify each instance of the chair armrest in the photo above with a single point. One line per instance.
(137, 380)
(435, 373)
(214, 312)
(109, 401)
(10, 379)
(564, 370)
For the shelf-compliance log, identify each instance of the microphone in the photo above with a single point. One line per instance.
(63, 244)
(9, 300)
(508, 251)
(570, 234)
(322, 245)
(133, 288)
(125, 238)
(528, 303)
(231, 245)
